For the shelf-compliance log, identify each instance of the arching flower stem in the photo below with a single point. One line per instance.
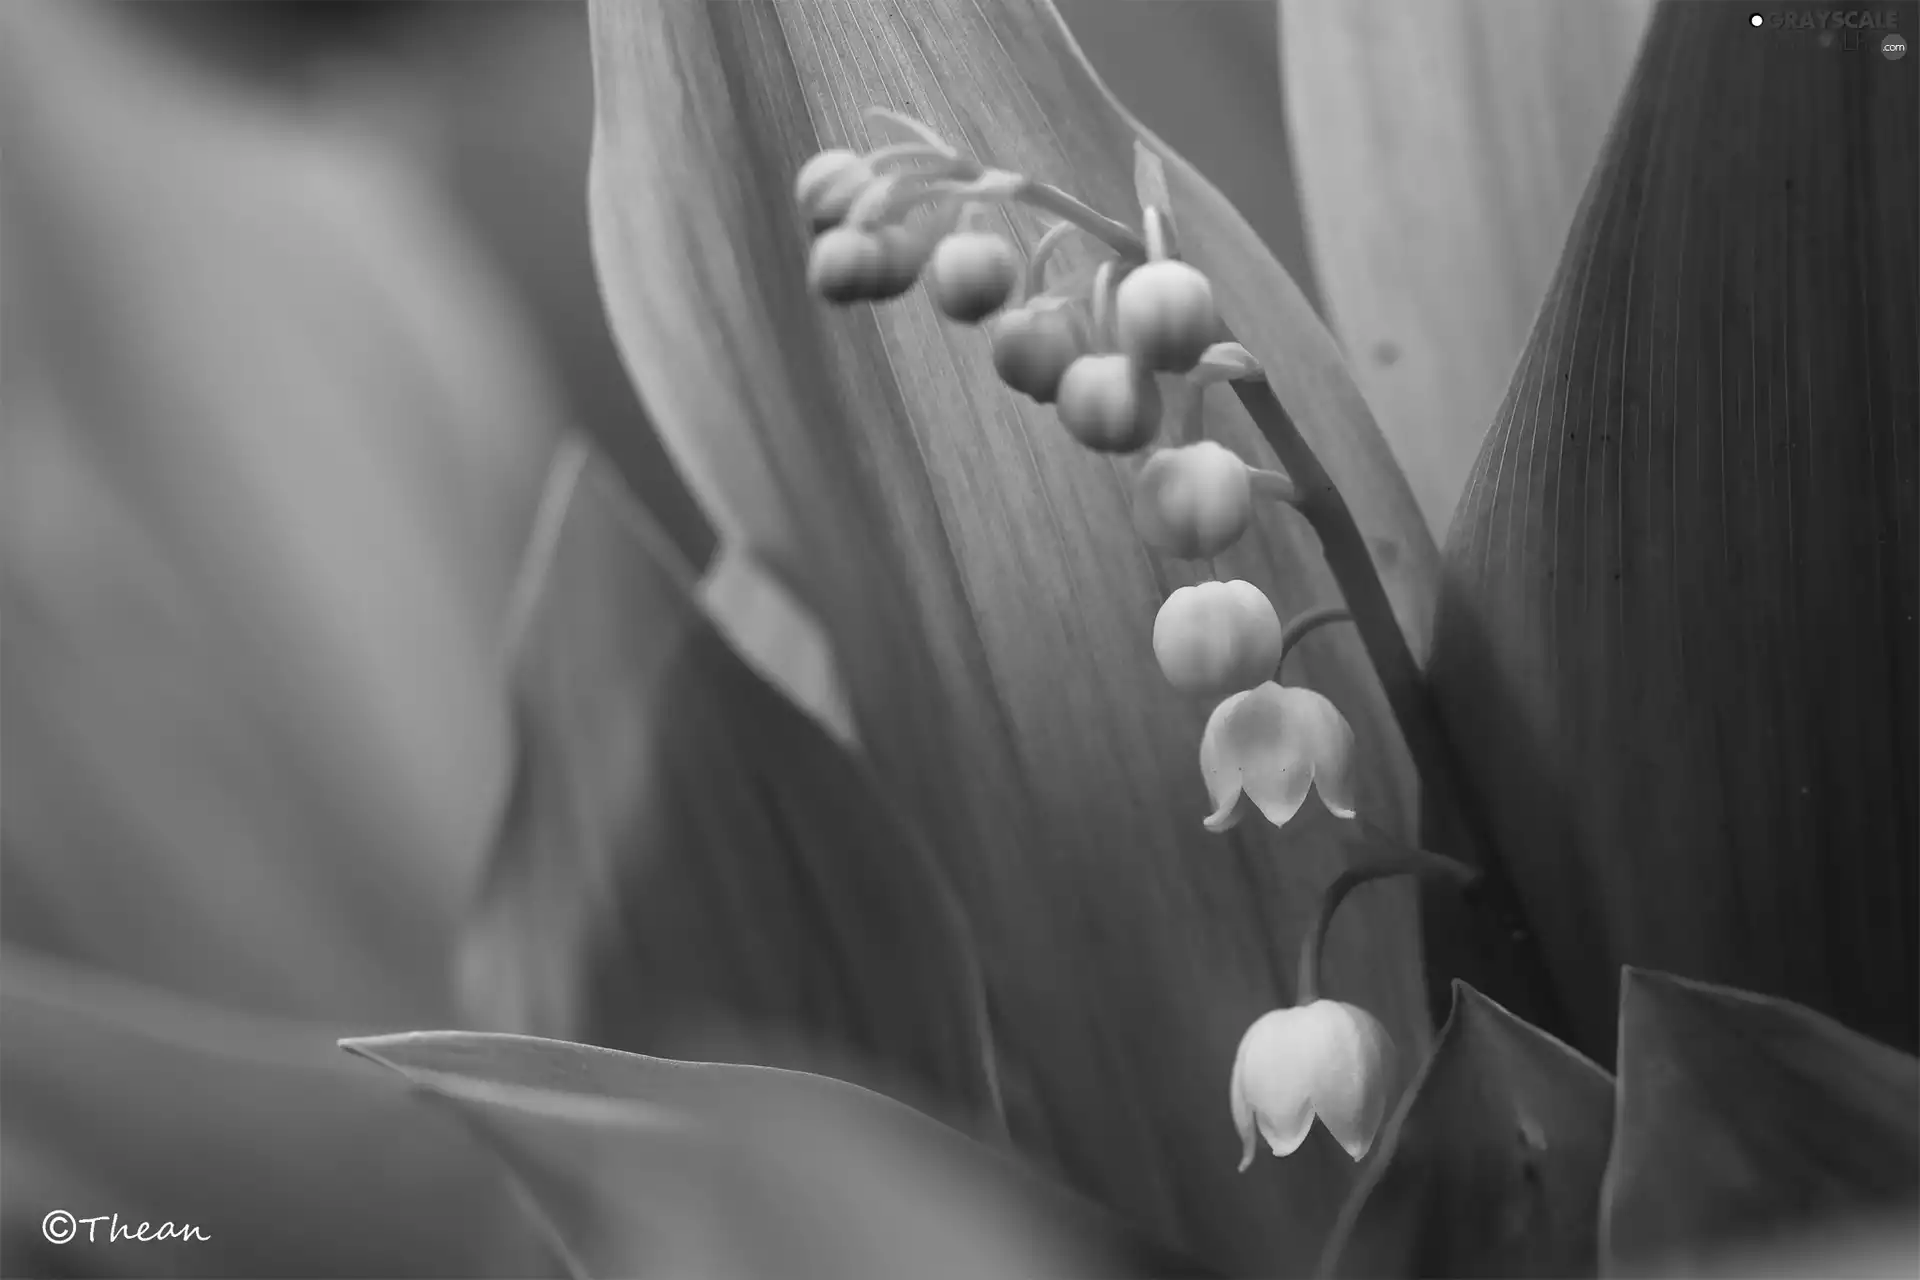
(1444, 787)
(1412, 862)
(1305, 625)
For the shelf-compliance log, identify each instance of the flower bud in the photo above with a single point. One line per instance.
(827, 184)
(1164, 317)
(1326, 1060)
(971, 275)
(1033, 345)
(1193, 502)
(847, 264)
(1217, 638)
(1109, 403)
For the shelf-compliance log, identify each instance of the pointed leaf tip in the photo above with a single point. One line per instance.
(1492, 1163)
(1742, 1117)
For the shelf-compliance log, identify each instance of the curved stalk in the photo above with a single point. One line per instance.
(1118, 235)
(1305, 625)
(1036, 277)
(1413, 862)
(1442, 782)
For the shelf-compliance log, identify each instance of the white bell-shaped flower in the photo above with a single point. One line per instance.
(1271, 745)
(1324, 1059)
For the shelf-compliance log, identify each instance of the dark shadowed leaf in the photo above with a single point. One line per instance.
(121, 1098)
(1492, 1164)
(646, 1167)
(1677, 647)
(1882, 1246)
(989, 605)
(1743, 1118)
(689, 854)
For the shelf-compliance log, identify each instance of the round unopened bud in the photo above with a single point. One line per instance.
(847, 264)
(1109, 403)
(1164, 317)
(1215, 639)
(827, 184)
(971, 275)
(1193, 502)
(1033, 345)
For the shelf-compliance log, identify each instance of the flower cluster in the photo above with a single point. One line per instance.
(1099, 353)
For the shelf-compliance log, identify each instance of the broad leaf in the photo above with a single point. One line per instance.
(1869, 1247)
(1492, 1164)
(268, 462)
(1442, 147)
(1204, 78)
(988, 603)
(122, 1098)
(646, 1166)
(1677, 644)
(689, 864)
(1744, 1119)
(271, 441)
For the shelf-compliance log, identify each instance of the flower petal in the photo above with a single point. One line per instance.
(1329, 743)
(1352, 1075)
(1242, 1112)
(1271, 755)
(1277, 1067)
(1228, 815)
(1219, 767)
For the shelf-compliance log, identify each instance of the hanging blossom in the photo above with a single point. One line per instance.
(1094, 357)
(1268, 747)
(1324, 1059)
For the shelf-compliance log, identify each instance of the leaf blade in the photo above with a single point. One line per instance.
(1680, 600)
(630, 1155)
(685, 856)
(1744, 1118)
(1442, 153)
(987, 601)
(1491, 1165)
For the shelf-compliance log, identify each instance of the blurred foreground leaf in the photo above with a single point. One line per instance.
(1492, 1164)
(1744, 1119)
(1865, 1247)
(650, 1167)
(124, 1099)
(1677, 642)
(1442, 147)
(272, 446)
(689, 864)
(988, 604)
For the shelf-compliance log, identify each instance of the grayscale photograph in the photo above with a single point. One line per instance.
(959, 640)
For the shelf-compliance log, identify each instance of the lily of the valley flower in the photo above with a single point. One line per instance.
(1271, 745)
(1325, 1059)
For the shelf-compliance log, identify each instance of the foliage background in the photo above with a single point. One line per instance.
(296, 308)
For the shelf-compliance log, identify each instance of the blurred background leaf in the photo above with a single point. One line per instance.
(1868, 1247)
(1743, 1120)
(274, 435)
(1676, 641)
(648, 1166)
(1491, 1166)
(126, 1098)
(688, 860)
(1204, 76)
(1442, 149)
